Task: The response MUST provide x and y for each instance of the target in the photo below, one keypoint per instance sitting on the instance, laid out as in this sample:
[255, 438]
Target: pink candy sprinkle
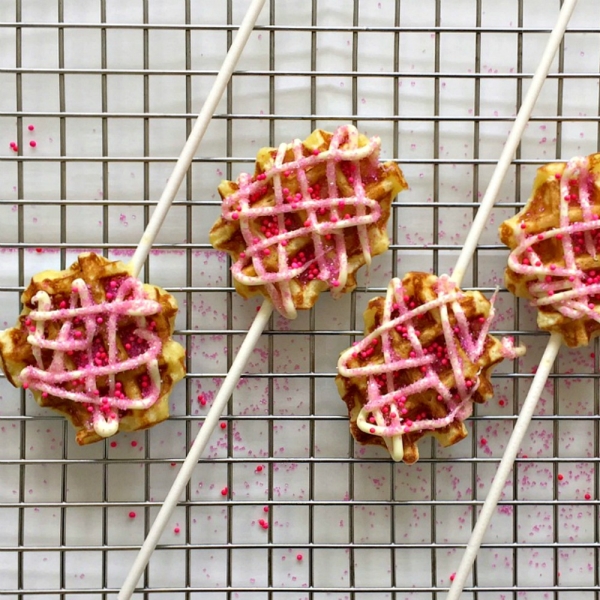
[33, 143]
[132, 515]
[176, 530]
[30, 127]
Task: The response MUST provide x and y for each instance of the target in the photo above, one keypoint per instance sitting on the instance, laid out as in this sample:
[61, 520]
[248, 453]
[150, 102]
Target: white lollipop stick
[256, 329]
[555, 340]
[514, 138]
[196, 135]
[196, 451]
[505, 466]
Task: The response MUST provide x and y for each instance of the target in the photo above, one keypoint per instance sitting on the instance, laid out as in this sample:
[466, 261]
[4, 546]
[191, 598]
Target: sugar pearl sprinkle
[384, 414]
[570, 289]
[85, 350]
[267, 230]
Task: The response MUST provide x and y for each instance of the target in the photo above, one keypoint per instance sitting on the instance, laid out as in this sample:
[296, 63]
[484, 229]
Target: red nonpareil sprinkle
[38, 250]
[588, 497]
[263, 524]
[265, 509]
[176, 530]
[30, 127]
[299, 557]
[483, 441]
[132, 514]
[259, 468]
[13, 145]
[201, 399]
[113, 444]
[33, 143]
[223, 425]
[560, 477]
[452, 576]
[224, 491]
[133, 444]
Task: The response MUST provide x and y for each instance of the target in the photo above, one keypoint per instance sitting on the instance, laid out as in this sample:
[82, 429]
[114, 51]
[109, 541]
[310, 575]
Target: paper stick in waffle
[585, 193]
[92, 341]
[426, 358]
[427, 355]
[555, 263]
[310, 216]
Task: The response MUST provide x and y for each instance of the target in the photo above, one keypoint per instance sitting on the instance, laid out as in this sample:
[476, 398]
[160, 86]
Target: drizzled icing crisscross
[384, 413]
[317, 213]
[85, 349]
[569, 288]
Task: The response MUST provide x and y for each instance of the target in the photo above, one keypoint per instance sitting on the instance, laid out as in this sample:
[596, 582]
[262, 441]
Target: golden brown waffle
[426, 357]
[555, 249]
[61, 347]
[309, 207]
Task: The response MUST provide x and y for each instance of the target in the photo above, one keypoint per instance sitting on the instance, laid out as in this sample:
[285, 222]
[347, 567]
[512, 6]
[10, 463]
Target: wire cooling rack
[285, 505]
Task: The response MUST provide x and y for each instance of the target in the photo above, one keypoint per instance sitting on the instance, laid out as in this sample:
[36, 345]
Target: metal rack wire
[286, 506]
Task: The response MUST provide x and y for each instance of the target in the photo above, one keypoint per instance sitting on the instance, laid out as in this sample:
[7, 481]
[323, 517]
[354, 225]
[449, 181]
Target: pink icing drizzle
[568, 289]
[324, 217]
[391, 402]
[83, 322]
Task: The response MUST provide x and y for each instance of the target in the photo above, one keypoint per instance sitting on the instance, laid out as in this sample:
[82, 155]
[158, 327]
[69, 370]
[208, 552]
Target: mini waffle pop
[426, 358]
[555, 247]
[313, 213]
[94, 343]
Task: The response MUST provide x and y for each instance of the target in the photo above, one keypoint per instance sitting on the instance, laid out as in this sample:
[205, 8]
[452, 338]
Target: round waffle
[311, 215]
[425, 359]
[555, 249]
[94, 343]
